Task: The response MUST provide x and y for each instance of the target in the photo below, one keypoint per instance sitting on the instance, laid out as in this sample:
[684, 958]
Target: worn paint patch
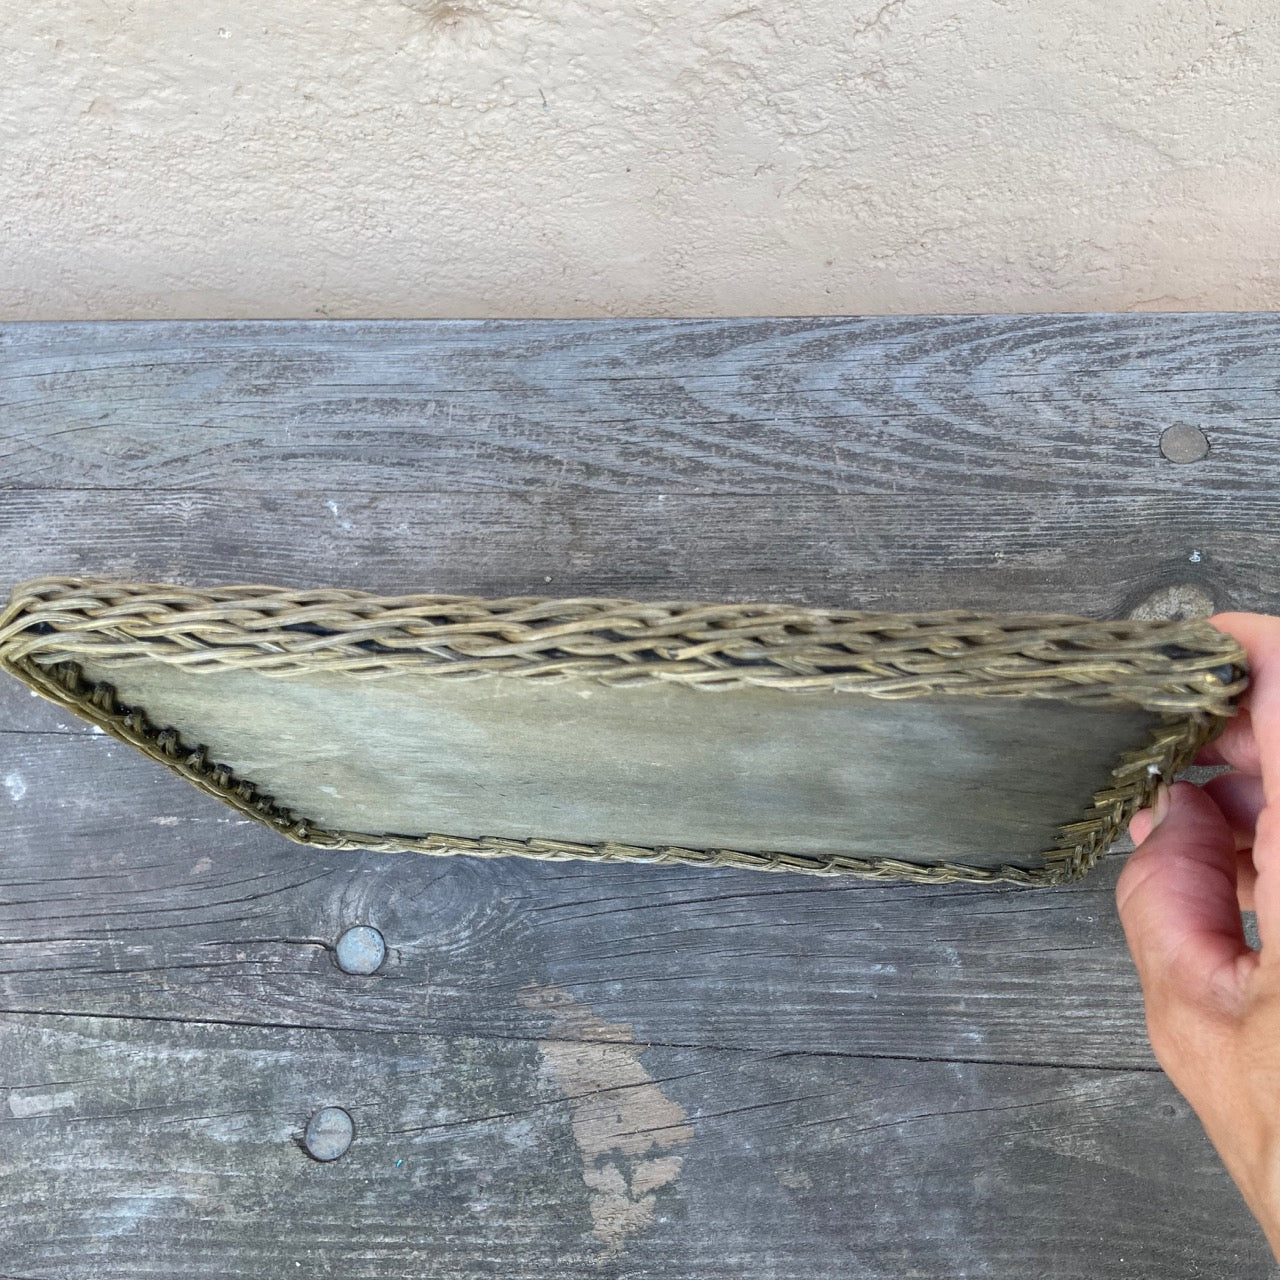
[625, 1127]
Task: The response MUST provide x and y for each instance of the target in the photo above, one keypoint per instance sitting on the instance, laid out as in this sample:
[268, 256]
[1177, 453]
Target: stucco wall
[683, 157]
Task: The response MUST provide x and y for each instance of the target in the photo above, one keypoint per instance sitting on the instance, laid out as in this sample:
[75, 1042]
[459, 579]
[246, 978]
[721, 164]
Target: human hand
[1212, 1002]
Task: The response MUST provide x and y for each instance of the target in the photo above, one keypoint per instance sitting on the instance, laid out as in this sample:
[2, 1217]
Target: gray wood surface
[977, 780]
[572, 1071]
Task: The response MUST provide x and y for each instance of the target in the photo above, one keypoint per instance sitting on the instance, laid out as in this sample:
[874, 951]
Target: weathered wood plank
[121, 894]
[154, 1149]
[1098, 558]
[913, 406]
[942, 1060]
[974, 780]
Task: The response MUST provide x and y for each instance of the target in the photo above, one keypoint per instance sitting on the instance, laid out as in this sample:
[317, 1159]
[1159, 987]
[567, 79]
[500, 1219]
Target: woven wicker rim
[1188, 671]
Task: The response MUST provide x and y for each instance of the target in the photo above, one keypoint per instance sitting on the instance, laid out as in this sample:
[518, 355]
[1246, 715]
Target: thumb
[1177, 902]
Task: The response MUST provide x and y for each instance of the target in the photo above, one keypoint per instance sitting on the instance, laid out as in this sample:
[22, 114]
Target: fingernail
[1160, 809]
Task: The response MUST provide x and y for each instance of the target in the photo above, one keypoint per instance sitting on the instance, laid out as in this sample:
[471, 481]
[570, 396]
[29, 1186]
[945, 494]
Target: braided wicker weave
[1189, 673]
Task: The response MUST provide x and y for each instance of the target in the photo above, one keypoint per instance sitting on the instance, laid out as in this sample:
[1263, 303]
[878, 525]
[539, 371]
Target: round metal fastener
[361, 950]
[1184, 444]
[329, 1134]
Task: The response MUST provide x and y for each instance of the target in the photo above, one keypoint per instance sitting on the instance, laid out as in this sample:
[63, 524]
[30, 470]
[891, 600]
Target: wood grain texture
[975, 780]
[1098, 558]
[907, 406]
[597, 1071]
[173, 1149]
[220, 920]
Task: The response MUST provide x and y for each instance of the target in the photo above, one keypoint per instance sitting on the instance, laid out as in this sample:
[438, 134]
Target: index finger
[1235, 746]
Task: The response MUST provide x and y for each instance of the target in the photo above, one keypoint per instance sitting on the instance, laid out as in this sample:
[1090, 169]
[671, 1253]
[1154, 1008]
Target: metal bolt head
[1184, 444]
[361, 950]
[329, 1133]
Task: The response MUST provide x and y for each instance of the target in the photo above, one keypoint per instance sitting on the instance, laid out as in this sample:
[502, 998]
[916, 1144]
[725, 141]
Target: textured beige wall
[683, 157]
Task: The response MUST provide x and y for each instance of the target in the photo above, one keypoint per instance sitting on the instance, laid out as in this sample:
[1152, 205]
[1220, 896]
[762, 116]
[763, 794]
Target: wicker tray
[932, 747]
